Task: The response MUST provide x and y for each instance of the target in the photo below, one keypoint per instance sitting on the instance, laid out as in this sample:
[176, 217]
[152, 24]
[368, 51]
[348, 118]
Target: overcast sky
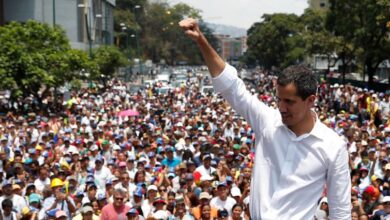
[243, 13]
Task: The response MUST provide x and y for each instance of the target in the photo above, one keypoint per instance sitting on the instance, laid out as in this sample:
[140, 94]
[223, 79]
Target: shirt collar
[317, 130]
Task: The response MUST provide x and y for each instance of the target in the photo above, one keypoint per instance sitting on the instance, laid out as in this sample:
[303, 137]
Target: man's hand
[191, 28]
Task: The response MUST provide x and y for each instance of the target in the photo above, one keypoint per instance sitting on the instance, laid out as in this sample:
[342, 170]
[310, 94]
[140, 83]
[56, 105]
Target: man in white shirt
[102, 173]
[18, 202]
[43, 179]
[206, 168]
[223, 200]
[296, 154]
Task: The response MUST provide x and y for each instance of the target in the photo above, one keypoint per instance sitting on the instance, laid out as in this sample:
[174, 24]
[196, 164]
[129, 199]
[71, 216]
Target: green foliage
[34, 54]
[276, 41]
[154, 26]
[107, 59]
[363, 24]
[350, 31]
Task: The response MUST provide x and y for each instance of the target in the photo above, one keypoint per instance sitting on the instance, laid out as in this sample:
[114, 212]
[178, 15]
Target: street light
[137, 41]
[87, 24]
[54, 13]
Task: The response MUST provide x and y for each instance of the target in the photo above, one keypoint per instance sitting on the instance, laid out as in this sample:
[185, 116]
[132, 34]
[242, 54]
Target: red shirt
[110, 213]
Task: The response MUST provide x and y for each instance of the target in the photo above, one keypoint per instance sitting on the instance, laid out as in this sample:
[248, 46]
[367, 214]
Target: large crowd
[113, 154]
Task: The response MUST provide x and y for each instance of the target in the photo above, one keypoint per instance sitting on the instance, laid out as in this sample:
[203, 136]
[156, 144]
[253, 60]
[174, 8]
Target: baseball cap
[86, 209]
[159, 200]
[206, 156]
[99, 159]
[229, 179]
[101, 196]
[235, 191]
[223, 183]
[60, 214]
[52, 213]
[236, 146]
[204, 195]
[94, 147]
[223, 213]
[34, 198]
[189, 176]
[138, 192]
[132, 211]
[7, 183]
[152, 187]
[171, 174]
[386, 199]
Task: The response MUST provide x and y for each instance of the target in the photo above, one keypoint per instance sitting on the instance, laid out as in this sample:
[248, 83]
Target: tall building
[319, 4]
[87, 23]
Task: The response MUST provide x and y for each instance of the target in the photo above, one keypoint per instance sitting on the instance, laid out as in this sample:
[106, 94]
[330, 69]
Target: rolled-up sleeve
[339, 187]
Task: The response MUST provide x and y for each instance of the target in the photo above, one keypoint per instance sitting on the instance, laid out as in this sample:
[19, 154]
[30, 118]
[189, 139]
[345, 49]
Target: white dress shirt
[290, 172]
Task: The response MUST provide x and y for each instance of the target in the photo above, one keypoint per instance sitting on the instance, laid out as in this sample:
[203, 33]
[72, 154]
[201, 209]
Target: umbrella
[129, 112]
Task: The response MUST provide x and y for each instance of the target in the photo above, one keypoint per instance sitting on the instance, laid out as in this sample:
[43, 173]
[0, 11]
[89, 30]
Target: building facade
[231, 49]
[87, 23]
[319, 4]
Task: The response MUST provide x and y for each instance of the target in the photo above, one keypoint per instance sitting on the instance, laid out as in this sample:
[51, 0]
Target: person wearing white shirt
[18, 202]
[43, 179]
[102, 173]
[206, 168]
[223, 200]
[296, 154]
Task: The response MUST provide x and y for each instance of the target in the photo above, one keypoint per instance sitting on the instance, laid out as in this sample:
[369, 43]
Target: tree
[107, 60]
[276, 42]
[154, 26]
[33, 55]
[363, 23]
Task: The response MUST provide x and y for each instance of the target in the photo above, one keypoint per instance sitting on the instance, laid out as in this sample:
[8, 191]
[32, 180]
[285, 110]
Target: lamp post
[87, 24]
[54, 13]
[137, 41]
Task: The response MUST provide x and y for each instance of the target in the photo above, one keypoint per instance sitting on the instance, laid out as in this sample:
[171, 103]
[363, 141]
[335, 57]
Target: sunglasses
[119, 198]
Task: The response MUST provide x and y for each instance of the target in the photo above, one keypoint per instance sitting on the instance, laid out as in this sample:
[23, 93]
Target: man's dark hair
[303, 79]
[6, 203]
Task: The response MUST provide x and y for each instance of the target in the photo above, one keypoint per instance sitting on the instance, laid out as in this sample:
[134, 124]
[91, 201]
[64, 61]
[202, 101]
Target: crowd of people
[179, 155]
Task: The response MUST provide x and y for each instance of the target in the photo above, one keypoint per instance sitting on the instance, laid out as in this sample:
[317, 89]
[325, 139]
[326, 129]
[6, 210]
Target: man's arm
[339, 187]
[213, 61]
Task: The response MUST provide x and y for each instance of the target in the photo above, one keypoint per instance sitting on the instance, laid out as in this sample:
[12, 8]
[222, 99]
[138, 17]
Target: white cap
[152, 187]
[143, 159]
[94, 147]
[386, 199]
[116, 147]
[204, 195]
[235, 191]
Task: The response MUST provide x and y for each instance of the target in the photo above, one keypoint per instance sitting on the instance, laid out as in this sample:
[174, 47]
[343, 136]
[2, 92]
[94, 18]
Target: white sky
[242, 13]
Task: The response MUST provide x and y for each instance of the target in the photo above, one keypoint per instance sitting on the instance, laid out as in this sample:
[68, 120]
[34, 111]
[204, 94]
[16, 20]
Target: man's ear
[311, 99]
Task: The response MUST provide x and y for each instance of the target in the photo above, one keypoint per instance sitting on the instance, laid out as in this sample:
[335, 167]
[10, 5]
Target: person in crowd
[118, 209]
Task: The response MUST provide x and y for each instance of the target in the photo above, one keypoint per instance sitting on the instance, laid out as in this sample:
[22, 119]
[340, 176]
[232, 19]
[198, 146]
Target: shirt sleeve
[242, 101]
[339, 187]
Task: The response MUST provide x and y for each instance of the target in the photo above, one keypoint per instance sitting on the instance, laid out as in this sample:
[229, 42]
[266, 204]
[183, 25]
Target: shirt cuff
[225, 79]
